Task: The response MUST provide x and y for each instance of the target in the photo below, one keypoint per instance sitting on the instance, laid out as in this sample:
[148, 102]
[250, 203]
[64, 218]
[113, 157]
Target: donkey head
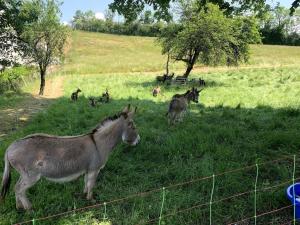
[130, 134]
[195, 94]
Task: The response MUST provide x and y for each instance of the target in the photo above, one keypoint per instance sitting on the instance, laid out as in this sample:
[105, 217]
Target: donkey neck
[188, 96]
[109, 135]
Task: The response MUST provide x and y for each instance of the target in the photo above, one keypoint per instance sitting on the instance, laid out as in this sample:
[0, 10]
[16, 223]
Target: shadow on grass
[175, 86]
[209, 140]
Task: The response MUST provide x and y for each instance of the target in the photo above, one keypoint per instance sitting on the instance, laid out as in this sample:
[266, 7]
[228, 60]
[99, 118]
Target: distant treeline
[135, 28]
[278, 27]
[275, 24]
[145, 26]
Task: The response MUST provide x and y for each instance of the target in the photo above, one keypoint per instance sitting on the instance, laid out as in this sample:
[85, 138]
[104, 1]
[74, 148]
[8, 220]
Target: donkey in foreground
[179, 103]
[63, 159]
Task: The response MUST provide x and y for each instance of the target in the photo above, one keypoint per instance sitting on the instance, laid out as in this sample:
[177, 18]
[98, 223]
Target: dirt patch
[15, 117]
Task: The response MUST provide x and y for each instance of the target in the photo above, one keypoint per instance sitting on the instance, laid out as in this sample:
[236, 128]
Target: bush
[12, 79]
[277, 36]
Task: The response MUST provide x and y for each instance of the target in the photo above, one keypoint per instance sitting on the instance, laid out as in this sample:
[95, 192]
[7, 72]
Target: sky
[69, 7]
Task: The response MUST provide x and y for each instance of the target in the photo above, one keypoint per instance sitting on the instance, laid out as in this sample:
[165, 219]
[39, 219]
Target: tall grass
[94, 53]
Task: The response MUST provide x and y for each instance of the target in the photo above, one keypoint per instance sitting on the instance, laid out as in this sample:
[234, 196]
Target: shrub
[12, 79]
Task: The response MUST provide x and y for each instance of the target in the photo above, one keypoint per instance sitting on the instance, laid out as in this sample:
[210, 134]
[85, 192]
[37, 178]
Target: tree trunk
[167, 66]
[42, 86]
[188, 70]
[191, 63]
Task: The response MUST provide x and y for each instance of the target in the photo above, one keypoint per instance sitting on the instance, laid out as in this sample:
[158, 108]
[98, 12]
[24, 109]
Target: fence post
[162, 204]
[211, 198]
[255, 195]
[294, 194]
[105, 214]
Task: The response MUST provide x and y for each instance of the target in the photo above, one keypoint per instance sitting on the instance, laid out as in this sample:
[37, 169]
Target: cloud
[99, 16]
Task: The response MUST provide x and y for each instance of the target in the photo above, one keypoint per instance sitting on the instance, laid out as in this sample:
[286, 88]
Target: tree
[132, 8]
[146, 17]
[45, 37]
[11, 26]
[210, 38]
[295, 5]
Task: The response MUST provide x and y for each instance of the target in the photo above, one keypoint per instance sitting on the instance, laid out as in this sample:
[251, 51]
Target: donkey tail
[6, 179]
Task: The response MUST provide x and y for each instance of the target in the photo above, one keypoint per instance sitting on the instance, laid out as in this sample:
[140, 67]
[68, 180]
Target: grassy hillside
[93, 53]
[245, 116]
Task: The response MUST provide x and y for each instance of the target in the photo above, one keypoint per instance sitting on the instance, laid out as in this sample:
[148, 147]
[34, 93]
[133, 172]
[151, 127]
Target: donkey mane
[107, 120]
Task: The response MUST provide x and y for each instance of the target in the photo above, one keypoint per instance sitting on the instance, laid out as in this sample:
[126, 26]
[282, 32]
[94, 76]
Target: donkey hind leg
[24, 183]
[182, 115]
[173, 118]
[90, 183]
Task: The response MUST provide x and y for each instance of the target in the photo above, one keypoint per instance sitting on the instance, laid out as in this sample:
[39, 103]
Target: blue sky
[70, 6]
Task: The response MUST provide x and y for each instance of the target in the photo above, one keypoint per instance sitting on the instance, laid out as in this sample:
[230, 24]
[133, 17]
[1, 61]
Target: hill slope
[93, 53]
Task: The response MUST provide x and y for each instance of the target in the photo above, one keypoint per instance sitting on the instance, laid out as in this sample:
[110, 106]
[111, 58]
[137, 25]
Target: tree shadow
[175, 86]
[210, 140]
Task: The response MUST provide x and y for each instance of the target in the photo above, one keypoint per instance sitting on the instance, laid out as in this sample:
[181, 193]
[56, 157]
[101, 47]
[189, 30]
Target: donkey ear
[126, 109]
[131, 114]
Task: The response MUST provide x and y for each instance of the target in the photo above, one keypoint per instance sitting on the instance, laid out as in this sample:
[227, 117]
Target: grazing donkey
[105, 97]
[74, 96]
[63, 159]
[170, 78]
[93, 101]
[156, 91]
[162, 78]
[202, 82]
[179, 103]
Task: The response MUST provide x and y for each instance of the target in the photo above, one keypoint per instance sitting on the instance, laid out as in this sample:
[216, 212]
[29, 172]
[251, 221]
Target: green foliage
[12, 79]
[132, 8]
[279, 27]
[207, 36]
[44, 37]
[146, 26]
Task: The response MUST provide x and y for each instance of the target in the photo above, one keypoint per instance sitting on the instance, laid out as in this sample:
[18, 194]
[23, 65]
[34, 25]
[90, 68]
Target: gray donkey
[179, 103]
[63, 159]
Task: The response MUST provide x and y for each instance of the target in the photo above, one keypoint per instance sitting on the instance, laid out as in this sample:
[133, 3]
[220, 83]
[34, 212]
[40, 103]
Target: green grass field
[245, 116]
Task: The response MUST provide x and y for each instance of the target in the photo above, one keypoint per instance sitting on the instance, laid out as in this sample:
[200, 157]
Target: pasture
[245, 116]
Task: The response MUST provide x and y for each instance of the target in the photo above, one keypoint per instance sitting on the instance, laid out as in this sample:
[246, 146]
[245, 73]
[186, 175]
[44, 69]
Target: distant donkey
[162, 78]
[93, 101]
[179, 103]
[105, 97]
[65, 158]
[156, 91]
[169, 78]
[74, 96]
[202, 82]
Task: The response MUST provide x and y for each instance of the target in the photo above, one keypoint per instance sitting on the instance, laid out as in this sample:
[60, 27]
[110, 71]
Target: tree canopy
[44, 37]
[132, 8]
[209, 37]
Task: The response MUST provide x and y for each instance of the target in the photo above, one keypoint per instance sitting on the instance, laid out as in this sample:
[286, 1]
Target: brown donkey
[179, 103]
[63, 159]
